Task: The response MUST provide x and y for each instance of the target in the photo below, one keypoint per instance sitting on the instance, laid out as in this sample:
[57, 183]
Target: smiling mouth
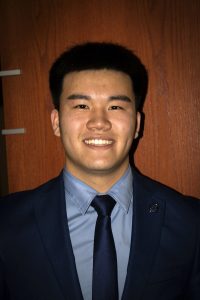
[98, 142]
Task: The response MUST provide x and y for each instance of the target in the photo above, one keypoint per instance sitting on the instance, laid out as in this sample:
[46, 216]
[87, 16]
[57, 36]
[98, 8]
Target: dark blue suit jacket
[36, 257]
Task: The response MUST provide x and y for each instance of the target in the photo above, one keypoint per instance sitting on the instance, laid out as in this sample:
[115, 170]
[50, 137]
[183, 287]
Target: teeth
[98, 142]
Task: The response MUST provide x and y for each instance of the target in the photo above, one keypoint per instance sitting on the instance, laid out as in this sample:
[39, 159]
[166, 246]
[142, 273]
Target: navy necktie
[104, 285]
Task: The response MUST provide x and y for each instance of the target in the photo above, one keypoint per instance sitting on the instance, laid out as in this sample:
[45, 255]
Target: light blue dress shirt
[82, 220]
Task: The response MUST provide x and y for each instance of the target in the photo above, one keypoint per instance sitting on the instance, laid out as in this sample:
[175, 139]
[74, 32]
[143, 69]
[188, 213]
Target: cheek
[126, 126]
[71, 127]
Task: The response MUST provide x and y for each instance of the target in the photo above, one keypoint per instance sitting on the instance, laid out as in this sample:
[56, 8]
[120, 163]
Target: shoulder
[20, 203]
[174, 201]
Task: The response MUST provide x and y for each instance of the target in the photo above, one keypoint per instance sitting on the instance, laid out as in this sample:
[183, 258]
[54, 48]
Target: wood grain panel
[165, 34]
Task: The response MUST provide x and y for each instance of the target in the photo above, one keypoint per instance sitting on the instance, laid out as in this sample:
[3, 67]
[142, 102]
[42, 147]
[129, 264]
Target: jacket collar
[148, 215]
[50, 212]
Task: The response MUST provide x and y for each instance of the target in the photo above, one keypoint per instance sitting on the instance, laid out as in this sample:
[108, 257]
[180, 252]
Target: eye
[81, 106]
[115, 107]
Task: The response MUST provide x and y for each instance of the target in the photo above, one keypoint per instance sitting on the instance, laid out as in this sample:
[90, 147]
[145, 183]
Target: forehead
[98, 80]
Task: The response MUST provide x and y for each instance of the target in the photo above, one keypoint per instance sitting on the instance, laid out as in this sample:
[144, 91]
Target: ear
[138, 121]
[55, 122]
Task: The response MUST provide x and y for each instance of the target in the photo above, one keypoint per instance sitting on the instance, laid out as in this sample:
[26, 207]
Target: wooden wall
[164, 33]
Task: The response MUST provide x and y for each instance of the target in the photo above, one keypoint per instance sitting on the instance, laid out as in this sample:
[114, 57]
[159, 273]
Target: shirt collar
[122, 190]
[82, 195]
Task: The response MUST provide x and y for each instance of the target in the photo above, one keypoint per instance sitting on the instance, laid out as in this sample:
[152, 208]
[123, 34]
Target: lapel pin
[154, 208]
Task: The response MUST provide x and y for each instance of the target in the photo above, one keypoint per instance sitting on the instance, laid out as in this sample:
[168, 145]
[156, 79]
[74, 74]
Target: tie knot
[103, 205]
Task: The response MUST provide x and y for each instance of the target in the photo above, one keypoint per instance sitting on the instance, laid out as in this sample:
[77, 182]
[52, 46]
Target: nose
[99, 121]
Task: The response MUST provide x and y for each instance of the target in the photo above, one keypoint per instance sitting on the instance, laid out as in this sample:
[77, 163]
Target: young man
[55, 241]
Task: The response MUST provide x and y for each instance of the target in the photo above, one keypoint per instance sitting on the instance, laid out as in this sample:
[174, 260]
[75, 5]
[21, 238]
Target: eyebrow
[86, 97]
[78, 96]
[121, 98]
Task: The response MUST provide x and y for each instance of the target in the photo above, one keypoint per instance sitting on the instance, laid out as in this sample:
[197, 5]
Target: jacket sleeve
[3, 288]
[193, 292]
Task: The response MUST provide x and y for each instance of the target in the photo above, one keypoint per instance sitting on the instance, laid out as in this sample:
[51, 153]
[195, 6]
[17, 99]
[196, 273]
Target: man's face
[97, 122]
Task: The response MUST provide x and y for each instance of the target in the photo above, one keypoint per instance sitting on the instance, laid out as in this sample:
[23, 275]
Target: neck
[101, 182]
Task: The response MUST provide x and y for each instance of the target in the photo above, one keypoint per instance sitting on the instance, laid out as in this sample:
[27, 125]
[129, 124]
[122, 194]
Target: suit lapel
[148, 214]
[51, 218]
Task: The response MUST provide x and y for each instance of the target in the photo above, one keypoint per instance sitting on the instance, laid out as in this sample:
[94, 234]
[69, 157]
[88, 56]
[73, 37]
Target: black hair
[97, 56]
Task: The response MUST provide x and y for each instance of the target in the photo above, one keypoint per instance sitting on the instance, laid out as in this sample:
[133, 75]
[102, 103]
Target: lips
[98, 142]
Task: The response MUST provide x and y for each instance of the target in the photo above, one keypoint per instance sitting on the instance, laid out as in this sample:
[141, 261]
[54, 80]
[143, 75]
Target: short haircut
[98, 56]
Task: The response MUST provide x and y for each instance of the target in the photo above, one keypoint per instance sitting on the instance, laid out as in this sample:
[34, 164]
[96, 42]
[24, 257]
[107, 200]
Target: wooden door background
[164, 33]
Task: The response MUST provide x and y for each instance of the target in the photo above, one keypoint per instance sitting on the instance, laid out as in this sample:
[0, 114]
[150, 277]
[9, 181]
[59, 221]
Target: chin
[102, 169]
